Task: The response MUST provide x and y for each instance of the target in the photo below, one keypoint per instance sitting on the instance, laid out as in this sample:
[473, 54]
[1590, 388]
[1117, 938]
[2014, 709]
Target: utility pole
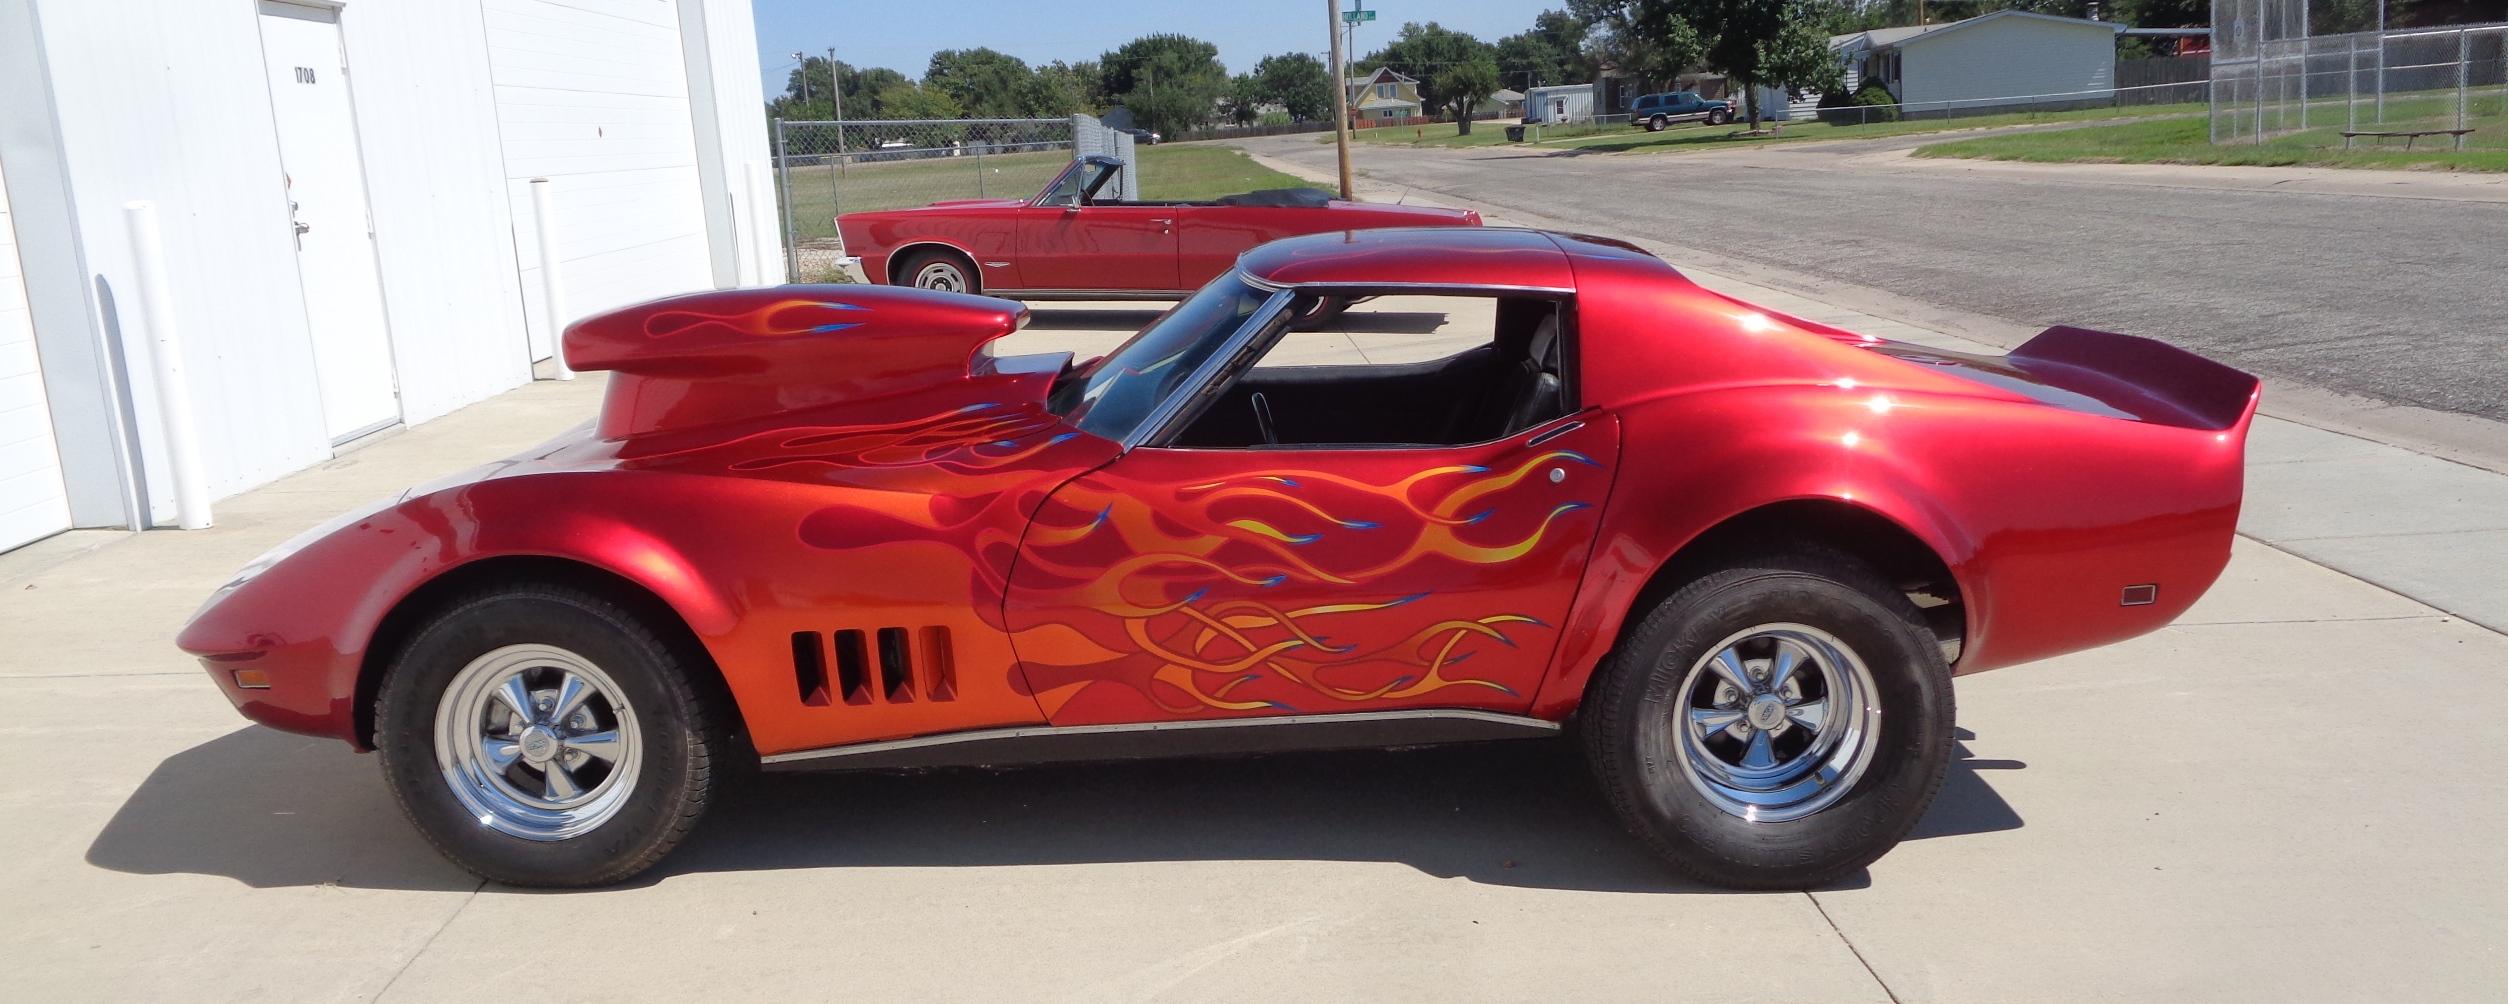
[1340, 94]
[805, 76]
[836, 86]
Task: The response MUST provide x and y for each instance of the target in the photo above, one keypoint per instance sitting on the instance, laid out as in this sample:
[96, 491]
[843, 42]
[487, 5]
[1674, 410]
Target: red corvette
[1076, 240]
[1741, 554]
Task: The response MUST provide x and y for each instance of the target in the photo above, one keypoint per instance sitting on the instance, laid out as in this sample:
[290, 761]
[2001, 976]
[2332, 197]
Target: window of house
[1384, 90]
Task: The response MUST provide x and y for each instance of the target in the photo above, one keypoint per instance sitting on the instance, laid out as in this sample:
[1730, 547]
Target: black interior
[1486, 392]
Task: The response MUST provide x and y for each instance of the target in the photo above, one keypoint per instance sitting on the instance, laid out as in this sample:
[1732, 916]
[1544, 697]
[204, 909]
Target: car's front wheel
[548, 736]
[1776, 724]
[1719, 116]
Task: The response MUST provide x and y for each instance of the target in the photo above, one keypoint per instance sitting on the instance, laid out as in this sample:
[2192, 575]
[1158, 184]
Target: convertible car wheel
[940, 270]
[1318, 312]
[545, 736]
[1776, 724]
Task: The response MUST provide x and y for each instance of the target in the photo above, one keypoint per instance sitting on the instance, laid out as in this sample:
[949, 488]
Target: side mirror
[1072, 207]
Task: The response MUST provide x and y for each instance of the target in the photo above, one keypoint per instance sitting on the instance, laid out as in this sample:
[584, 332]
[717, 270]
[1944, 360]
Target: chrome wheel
[1777, 722]
[942, 275]
[537, 742]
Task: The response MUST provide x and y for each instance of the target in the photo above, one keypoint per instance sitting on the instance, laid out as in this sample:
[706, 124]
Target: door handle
[303, 229]
[1166, 226]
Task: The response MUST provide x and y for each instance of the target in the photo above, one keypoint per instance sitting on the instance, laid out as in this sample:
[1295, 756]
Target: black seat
[1532, 392]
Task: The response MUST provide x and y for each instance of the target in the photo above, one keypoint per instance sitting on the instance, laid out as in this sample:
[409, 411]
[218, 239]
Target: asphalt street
[2393, 291]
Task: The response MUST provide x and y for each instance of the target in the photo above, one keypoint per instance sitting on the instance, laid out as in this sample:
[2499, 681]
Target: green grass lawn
[1694, 136]
[819, 193]
[2187, 141]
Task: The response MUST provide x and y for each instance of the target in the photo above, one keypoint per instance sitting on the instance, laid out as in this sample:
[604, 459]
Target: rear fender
[1728, 463]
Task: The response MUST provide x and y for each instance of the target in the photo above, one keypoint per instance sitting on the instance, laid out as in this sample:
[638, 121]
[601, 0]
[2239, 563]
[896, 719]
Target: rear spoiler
[703, 358]
[2155, 380]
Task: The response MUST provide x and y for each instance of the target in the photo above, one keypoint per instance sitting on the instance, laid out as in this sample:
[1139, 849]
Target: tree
[1070, 88]
[1456, 72]
[909, 101]
[987, 84]
[1751, 42]
[1628, 35]
[862, 88]
[1298, 82]
[1244, 100]
[1172, 83]
[1552, 52]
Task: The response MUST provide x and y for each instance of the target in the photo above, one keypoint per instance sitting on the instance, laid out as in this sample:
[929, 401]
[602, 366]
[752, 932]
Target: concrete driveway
[2292, 794]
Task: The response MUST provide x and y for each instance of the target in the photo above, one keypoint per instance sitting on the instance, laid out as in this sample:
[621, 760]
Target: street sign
[1356, 16]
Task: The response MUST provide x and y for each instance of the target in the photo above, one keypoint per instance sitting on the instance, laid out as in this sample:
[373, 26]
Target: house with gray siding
[2006, 59]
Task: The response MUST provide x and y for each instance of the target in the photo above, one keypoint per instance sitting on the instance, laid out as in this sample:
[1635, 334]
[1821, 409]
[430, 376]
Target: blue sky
[903, 35]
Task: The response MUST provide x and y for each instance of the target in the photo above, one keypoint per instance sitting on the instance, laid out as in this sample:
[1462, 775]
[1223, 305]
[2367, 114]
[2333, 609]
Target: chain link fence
[2273, 82]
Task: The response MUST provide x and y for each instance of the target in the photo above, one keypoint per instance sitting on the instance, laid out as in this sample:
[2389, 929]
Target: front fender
[305, 622]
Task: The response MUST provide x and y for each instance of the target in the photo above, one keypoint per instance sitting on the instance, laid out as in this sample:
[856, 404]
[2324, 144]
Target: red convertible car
[1739, 555]
[1075, 240]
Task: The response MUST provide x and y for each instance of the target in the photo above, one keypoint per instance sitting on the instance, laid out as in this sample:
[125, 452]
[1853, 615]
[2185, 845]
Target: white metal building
[2009, 57]
[1559, 104]
[343, 188]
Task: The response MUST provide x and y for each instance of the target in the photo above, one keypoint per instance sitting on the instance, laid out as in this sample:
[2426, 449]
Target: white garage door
[32, 503]
[593, 95]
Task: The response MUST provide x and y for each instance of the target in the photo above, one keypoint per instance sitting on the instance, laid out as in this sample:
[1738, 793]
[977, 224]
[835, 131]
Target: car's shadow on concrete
[270, 810]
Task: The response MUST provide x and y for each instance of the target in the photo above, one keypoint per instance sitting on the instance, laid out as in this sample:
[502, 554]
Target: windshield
[1118, 393]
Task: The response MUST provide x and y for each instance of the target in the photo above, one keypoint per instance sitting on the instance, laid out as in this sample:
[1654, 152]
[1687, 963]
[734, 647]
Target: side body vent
[889, 665]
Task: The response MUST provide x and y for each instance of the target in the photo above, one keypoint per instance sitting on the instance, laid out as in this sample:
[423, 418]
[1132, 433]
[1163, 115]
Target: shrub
[1840, 108]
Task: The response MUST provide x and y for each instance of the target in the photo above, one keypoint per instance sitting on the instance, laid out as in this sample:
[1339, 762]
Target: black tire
[687, 755]
[1719, 117]
[1323, 311]
[1657, 123]
[913, 271]
[1626, 722]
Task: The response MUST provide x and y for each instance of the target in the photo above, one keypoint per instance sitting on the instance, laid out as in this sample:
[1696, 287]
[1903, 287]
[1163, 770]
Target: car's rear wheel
[1719, 116]
[548, 736]
[1775, 724]
[947, 271]
[1657, 123]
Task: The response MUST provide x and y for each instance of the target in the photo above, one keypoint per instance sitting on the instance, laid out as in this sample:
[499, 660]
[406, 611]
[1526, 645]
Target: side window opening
[1399, 371]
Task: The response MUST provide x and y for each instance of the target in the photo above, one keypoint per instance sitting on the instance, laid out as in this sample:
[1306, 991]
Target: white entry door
[326, 191]
[32, 501]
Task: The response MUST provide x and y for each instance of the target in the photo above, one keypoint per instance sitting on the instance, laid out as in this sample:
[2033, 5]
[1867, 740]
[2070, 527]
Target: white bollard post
[552, 298]
[174, 392]
[744, 211]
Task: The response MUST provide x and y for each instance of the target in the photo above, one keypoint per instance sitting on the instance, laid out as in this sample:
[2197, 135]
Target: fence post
[783, 194]
[979, 170]
[2464, 61]
[2258, 88]
[2212, 100]
[2351, 85]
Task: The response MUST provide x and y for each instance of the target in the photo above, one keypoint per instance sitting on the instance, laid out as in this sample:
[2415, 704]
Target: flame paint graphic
[972, 438]
[1169, 591]
[779, 319]
[1151, 592]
